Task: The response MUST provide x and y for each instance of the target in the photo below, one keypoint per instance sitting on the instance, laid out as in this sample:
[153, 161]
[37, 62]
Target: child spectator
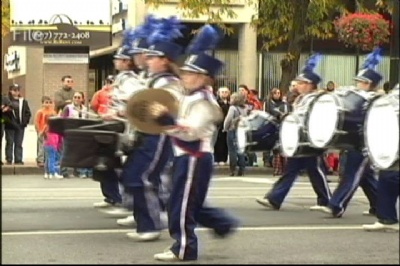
[52, 142]
[40, 124]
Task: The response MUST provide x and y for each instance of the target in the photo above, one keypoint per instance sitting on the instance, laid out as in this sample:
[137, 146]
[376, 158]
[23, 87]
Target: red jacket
[101, 100]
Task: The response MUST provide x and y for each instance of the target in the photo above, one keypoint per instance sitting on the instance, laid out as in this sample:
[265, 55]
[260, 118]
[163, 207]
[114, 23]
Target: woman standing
[236, 110]
[77, 109]
[277, 107]
[220, 147]
[16, 119]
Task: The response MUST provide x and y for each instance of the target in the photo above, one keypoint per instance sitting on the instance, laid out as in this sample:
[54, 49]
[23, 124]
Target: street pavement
[53, 222]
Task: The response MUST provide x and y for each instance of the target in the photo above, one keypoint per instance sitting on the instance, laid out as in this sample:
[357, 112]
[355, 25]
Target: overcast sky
[79, 10]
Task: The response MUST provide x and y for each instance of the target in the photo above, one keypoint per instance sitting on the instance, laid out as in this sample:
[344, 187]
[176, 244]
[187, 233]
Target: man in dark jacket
[16, 119]
[5, 107]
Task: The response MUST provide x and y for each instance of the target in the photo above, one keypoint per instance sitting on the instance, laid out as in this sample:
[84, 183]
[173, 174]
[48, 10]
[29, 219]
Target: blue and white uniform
[144, 166]
[192, 171]
[357, 173]
[357, 168]
[313, 165]
[126, 83]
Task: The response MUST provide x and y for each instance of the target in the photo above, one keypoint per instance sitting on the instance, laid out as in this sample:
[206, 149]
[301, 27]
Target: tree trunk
[295, 43]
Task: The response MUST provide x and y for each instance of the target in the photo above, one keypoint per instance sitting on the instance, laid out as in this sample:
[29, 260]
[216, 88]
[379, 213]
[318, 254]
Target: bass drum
[257, 132]
[335, 120]
[381, 131]
[293, 138]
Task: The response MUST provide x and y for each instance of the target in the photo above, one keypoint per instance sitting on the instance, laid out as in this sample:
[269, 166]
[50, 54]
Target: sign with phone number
[60, 38]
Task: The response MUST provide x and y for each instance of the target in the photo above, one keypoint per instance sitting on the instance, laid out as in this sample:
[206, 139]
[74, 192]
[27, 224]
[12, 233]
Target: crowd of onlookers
[66, 102]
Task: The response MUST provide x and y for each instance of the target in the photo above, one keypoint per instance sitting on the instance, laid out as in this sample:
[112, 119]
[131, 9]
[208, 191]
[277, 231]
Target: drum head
[322, 120]
[382, 133]
[289, 135]
[241, 135]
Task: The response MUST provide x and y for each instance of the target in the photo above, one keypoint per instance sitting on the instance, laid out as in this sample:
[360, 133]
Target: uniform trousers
[186, 209]
[141, 176]
[388, 193]
[316, 173]
[357, 172]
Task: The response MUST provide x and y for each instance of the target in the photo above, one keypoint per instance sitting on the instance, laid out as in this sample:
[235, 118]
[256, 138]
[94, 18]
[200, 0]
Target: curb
[34, 170]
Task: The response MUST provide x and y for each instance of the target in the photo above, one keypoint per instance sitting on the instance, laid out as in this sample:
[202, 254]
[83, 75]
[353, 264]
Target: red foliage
[365, 31]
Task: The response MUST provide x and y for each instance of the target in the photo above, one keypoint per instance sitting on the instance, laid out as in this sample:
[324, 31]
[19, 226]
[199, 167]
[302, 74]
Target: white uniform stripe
[182, 218]
[321, 172]
[151, 200]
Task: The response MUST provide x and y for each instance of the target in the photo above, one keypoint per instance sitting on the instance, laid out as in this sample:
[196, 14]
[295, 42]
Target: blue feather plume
[207, 38]
[312, 62]
[143, 31]
[128, 37]
[373, 59]
[167, 29]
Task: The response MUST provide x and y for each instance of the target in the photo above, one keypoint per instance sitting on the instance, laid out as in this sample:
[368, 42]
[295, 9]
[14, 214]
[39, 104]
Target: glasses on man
[77, 97]
[48, 102]
[69, 81]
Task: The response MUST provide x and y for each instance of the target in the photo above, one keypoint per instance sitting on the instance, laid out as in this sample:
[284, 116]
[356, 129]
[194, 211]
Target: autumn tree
[5, 17]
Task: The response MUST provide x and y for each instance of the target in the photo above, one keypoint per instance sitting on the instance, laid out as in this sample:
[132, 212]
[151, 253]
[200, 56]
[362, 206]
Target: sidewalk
[30, 167]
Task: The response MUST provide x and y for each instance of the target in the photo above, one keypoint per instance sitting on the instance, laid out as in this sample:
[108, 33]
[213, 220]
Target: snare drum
[257, 132]
[381, 131]
[93, 146]
[84, 148]
[335, 120]
[293, 138]
[60, 124]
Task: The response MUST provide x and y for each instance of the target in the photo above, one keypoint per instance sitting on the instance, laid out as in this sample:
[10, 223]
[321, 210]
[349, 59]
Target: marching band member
[144, 166]
[136, 40]
[307, 83]
[192, 132]
[357, 168]
[387, 196]
[126, 83]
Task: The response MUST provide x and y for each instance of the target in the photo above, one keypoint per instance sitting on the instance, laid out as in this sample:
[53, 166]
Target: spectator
[220, 147]
[101, 99]
[40, 124]
[52, 145]
[292, 95]
[16, 118]
[237, 109]
[63, 96]
[5, 107]
[278, 108]
[77, 109]
[386, 87]
[330, 86]
[275, 104]
[252, 103]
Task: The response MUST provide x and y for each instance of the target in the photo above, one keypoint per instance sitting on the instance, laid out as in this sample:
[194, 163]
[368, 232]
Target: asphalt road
[53, 222]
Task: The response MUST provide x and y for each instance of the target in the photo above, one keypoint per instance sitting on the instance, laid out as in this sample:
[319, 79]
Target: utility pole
[394, 46]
